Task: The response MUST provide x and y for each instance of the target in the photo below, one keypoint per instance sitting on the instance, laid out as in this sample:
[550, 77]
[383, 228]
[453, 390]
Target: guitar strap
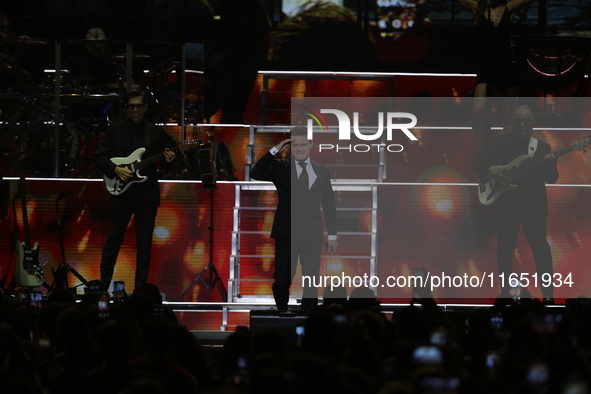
[532, 148]
[531, 152]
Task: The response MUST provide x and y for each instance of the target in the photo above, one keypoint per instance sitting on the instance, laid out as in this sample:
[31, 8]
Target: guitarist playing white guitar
[514, 174]
[132, 192]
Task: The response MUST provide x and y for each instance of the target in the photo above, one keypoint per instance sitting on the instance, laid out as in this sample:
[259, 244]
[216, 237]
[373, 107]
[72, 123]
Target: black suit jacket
[121, 140]
[530, 199]
[297, 207]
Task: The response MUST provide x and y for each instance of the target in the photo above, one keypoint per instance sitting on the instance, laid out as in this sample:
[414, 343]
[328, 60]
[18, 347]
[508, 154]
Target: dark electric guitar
[28, 272]
[134, 162]
[489, 191]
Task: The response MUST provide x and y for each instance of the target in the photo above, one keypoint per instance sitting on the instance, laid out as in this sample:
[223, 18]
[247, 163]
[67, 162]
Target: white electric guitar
[135, 164]
[489, 191]
[28, 272]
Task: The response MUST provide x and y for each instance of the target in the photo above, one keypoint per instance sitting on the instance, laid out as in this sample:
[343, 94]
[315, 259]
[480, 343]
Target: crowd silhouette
[346, 346]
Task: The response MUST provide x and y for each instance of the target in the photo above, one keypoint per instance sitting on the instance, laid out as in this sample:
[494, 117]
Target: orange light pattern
[436, 227]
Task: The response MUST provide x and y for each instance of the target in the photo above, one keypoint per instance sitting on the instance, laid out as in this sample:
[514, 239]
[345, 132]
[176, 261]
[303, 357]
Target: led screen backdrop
[426, 215]
[181, 237]
[428, 212]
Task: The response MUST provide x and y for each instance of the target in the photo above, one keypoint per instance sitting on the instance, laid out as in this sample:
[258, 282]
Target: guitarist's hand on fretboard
[550, 160]
[169, 155]
[123, 173]
[499, 178]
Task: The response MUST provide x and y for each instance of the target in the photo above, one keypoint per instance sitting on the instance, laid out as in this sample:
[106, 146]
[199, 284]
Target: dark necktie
[304, 180]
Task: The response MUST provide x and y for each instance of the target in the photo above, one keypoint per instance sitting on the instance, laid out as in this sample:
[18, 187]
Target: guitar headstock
[210, 134]
[582, 143]
[184, 143]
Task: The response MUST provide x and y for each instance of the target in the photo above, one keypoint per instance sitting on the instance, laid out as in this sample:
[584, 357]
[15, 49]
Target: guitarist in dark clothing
[528, 205]
[141, 199]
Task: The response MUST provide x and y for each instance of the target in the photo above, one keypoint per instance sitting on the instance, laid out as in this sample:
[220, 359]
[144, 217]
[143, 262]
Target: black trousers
[119, 216]
[534, 229]
[287, 253]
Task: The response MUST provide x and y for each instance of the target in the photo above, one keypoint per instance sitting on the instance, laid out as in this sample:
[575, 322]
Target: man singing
[302, 184]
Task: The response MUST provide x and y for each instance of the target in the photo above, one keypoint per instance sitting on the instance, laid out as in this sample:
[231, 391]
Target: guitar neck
[23, 192]
[152, 159]
[516, 172]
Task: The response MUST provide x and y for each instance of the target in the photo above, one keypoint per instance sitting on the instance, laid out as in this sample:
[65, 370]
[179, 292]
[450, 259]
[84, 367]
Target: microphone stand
[214, 277]
[208, 180]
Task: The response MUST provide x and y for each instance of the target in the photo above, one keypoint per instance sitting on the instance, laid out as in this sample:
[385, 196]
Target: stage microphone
[63, 195]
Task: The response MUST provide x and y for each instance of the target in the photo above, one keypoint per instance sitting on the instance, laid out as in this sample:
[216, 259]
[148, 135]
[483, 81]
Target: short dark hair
[135, 93]
[299, 130]
[524, 108]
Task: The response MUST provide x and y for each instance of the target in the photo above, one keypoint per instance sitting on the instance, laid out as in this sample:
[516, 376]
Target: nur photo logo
[389, 122]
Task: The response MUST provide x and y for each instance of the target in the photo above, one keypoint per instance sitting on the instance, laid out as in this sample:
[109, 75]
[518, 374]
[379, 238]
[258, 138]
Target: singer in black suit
[302, 185]
[141, 199]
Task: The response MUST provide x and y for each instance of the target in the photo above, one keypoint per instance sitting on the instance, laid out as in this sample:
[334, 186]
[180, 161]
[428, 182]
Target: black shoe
[549, 301]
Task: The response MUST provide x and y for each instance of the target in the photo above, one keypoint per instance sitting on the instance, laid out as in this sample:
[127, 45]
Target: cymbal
[115, 85]
[15, 71]
[7, 58]
[123, 56]
[29, 41]
[95, 41]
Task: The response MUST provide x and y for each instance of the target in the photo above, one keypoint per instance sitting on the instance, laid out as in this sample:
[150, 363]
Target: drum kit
[88, 100]
[553, 64]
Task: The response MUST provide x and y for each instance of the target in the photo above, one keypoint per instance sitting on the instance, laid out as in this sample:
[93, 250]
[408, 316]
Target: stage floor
[223, 316]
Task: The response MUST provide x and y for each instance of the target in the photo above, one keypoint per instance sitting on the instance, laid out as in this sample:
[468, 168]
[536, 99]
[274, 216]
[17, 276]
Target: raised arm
[264, 170]
[469, 5]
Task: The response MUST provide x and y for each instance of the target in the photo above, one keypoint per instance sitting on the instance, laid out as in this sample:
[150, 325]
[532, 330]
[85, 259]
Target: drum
[553, 64]
[68, 88]
[95, 112]
[27, 143]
